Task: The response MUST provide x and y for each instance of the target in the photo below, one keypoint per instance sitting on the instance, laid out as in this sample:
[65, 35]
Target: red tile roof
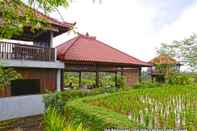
[84, 48]
[53, 21]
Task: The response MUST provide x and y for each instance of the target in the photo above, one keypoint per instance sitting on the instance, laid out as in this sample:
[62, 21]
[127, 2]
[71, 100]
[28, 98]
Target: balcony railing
[13, 51]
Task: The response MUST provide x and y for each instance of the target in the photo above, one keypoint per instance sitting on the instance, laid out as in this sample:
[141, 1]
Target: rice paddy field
[166, 107]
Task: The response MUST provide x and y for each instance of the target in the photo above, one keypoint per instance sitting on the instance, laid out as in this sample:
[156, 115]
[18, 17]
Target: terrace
[15, 51]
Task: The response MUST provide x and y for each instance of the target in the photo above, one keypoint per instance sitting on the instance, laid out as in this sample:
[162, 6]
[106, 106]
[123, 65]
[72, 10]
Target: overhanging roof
[87, 50]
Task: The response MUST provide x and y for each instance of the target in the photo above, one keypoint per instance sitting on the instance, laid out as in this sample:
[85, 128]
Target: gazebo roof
[87, 50]
[164, 59]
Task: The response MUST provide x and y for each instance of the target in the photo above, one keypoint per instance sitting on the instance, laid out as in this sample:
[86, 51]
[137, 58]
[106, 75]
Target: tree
[13, 17]
[184, 50]
[7, 75]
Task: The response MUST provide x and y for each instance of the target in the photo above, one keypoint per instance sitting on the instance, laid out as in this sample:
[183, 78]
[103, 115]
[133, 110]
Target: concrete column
[62, 79]
[51, 39]
[58, 86]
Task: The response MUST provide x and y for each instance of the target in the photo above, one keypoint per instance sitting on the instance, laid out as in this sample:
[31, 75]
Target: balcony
[13, 51]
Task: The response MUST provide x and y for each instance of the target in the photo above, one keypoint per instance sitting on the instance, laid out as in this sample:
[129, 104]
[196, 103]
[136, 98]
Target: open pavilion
[85, 53]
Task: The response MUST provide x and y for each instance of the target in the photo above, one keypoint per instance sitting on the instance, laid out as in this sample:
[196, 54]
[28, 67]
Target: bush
[54, 100]
[53, 121]
[147, 84]
[180, 79]
[73, 94]
[96, 118]
[58, 99]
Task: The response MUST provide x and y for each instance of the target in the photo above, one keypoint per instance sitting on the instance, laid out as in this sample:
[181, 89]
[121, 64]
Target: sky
[136, 27]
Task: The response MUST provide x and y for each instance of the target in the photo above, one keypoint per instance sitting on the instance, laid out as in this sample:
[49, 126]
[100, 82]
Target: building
[162, 66]
[85, 53]
[37, 63]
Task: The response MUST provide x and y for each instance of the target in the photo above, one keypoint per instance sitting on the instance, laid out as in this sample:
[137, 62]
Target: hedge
[94, 117]
[73, 94]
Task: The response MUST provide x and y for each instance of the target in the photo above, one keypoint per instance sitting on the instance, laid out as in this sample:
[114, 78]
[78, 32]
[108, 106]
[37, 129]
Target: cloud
[182, 27]
[128, 25]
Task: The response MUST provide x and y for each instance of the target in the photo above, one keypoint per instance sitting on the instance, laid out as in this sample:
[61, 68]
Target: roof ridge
[72, 44]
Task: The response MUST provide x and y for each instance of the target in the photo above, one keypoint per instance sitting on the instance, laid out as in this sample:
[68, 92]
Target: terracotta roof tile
[87, 49]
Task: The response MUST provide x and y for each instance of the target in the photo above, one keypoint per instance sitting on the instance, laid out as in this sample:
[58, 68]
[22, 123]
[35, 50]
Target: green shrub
[54, 100]
[180, 79]
[73, 94]
[123, 83]
[147, 84]
[58, 99]
[96, 118]
[53, 121]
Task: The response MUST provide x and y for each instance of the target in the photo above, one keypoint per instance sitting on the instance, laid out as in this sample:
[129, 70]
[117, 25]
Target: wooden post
[116, 80]
[80, 79]
[121, 73]
[97, 77]
[140, 74]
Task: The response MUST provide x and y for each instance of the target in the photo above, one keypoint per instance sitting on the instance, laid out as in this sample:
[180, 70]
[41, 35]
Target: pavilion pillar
[79, 79]
[116, 80]
[97, 78]
[121, 73]
[140, 74]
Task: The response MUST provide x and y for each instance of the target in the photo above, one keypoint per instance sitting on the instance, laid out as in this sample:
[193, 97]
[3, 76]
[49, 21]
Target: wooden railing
[25, 52]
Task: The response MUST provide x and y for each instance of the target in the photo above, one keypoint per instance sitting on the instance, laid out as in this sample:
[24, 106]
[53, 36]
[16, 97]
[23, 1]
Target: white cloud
[183, 27]
[127, 25]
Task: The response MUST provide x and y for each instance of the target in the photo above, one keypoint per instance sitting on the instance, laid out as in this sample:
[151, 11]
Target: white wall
[20, 106]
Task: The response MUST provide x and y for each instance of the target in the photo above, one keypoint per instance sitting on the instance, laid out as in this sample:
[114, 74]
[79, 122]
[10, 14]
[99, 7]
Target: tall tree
[184, 50]
[15, 15]
[11, 22]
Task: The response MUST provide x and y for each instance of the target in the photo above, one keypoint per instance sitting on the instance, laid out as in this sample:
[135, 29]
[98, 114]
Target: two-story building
[35, 61]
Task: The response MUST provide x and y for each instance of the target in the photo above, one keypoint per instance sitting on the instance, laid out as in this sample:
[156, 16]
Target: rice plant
[170, 107]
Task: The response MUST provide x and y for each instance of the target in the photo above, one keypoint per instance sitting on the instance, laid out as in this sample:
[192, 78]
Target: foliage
[180, 79]
[57, 100]
[169, 107]
[73, 94]
[147, 84]
[123, 83]
[185, 51]
[145, 76]
[7, 75]
[53, 121]
[96, 118]
[54, 100]
[15, 15]
[71, 77]
[106, 79]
